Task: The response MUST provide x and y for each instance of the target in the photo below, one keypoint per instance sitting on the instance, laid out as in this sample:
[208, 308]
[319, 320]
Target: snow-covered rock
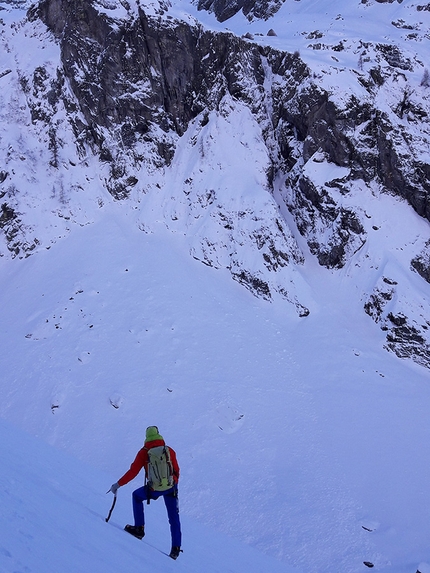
[201, 129]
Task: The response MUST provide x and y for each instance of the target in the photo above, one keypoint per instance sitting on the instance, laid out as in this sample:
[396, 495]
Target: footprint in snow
[229, 418]
[84, 357]
[115, 401]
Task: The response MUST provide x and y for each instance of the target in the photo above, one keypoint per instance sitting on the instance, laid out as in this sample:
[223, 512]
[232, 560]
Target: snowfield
[292, 433]
[304, 445]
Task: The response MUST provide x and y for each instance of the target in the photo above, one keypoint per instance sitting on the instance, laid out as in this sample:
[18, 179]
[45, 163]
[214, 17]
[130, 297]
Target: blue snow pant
[171, 501]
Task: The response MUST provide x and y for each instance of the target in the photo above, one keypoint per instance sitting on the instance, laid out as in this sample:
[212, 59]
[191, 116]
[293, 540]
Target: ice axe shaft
[111, 509]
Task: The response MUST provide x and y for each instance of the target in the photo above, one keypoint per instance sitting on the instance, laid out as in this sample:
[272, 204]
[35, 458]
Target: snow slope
[292, 434]
[53, 519]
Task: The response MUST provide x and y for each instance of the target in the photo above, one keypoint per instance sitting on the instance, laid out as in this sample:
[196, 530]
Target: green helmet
[152, 434]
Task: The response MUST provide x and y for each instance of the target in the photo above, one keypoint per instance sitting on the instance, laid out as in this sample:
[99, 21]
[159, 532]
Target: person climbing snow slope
[161, 480]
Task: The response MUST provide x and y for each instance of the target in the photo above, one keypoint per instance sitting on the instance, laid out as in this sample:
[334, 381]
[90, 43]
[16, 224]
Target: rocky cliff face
[141, 85]
[130, 86]
[225, 9]
[148, 73]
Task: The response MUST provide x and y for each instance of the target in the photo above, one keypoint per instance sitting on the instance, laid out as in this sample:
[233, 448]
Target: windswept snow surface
[292, 433]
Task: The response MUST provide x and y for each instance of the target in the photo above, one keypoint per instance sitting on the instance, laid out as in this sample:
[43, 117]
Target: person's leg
[138, 497]
[138, 529]
[172, 506]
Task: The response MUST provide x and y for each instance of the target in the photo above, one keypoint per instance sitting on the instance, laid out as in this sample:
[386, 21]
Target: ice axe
[111, 509]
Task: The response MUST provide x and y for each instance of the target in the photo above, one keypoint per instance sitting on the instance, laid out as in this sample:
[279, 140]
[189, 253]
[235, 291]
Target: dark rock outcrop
[421, 263]
[406, 336]
[15, 232]
[334, 232]
[225, 9]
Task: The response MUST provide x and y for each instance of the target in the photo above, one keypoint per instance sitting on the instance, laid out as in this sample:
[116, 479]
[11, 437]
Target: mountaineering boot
[138, 531]
[174, 553]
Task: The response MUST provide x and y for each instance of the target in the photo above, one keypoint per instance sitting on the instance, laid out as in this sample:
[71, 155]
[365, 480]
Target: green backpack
[160, 469]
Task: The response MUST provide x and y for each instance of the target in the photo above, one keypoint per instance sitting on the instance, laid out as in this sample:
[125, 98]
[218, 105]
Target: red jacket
[141, 461]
